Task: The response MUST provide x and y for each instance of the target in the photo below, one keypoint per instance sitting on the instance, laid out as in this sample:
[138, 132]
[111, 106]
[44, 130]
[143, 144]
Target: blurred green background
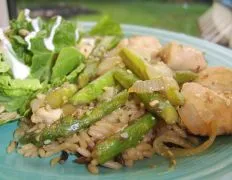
[179, 15]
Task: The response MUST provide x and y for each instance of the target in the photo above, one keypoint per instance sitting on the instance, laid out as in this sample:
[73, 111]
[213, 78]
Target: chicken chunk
[145, 46]
[216, 78]
[86, 46]
[180, 57]
[204, 106]
[47, 116]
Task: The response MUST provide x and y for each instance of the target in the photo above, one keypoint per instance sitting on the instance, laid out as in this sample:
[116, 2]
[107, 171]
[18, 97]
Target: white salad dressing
[48, 42]
[19, 70]
[27, 15]
[35, 25]
[28, 38]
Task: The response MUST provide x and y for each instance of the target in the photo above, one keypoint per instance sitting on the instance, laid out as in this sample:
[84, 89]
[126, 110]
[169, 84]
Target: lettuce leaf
[17, 87]
[27, 84]
[14, 93]
[64, 36]
[106, 26]
[21, 50]
[37, 43]
[43, 59]
[41, 66]
[4, 67]
[12, 103]
[68, 59]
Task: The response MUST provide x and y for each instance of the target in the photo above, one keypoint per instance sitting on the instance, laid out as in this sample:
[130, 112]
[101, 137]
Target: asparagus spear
[93, 61]
[59, 96]
[155, 102]
[185, 76]
[93, 89]
[137, 65]
[129, 137]
[134, 63]
[174, 96]
[70, 125]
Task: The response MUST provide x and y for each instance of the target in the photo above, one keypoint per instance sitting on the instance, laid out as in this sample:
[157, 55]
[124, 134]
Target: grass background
[160, 14]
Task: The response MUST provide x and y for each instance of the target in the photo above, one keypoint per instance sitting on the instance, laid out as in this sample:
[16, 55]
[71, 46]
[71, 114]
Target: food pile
[107, 99]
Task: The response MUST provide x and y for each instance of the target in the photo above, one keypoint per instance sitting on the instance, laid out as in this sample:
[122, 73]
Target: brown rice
[83, 142]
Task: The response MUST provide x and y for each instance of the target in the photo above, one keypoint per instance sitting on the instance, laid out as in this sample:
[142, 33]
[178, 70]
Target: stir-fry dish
[106, 99]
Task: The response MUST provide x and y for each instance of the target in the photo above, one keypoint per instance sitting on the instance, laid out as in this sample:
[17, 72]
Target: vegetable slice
[177, 152]
[93, 89]
[148, 86]
[69, 58]
[134, 63]
[185, 76]
[59, 96]
[114, 145]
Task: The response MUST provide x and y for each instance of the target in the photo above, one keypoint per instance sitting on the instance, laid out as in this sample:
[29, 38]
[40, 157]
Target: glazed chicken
[216, 78]
[180, 57]
[207, 101]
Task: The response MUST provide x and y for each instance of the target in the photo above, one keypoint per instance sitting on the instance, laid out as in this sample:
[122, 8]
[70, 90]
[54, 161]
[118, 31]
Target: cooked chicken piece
[145, 46]
[216, 78]
[86, 46]
[204, 106]
[37, 102]
[179, 57]
[47, 116]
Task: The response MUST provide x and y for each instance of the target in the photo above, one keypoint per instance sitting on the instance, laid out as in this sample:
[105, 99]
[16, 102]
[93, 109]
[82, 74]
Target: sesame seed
[174, 162]
[48, 107]
[124, 135]
[154, 103]
[48, 141]
[106, 88]
[228, 102]
[170, 153]
[141, 104]
[129, 71]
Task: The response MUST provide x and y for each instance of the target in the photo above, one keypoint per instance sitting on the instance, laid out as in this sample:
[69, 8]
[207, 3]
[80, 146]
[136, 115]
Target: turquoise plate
[216, 163]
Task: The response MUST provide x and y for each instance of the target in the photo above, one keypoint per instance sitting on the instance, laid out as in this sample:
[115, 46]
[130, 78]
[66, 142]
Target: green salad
[38, 54]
